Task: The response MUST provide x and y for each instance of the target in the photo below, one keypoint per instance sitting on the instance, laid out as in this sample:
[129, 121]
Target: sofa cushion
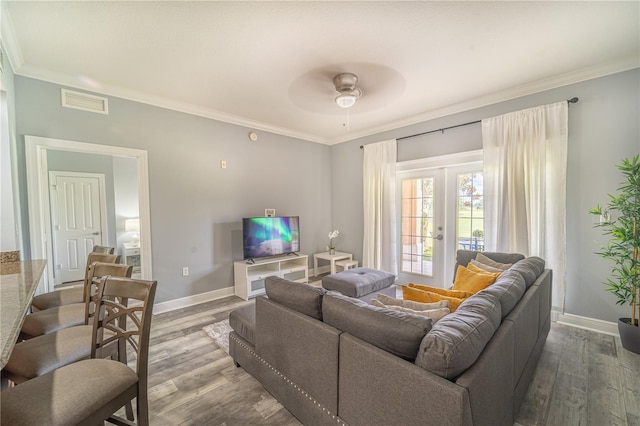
[304, 298]
[508, 288]
[398, 333]
[418, 295]
[473, 282]
[530, 269]
[416, 306]
[457, 340]
[435, 314]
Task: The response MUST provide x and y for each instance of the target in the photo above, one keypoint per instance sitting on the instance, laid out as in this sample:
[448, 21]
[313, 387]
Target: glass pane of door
[470, 211]
[419, 233]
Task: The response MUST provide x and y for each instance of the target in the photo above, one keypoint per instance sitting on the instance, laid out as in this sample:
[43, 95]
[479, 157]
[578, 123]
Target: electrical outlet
[185, 271]
[223, 164]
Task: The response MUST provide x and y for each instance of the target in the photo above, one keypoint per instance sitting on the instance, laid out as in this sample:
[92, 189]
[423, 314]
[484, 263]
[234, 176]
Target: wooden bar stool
[92, 390]
[70, 295]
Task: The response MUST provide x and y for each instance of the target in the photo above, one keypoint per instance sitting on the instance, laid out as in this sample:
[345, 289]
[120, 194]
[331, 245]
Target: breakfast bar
[18, 283]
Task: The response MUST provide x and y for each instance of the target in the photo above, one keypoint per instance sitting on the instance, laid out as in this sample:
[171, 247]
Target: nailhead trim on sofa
[296, 387]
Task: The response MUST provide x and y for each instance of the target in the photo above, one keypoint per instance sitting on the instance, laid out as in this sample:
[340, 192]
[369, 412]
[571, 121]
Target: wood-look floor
[583, 378]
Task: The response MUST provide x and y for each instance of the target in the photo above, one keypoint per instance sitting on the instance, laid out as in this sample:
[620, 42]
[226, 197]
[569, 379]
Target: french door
[441, 210]
[422, 227]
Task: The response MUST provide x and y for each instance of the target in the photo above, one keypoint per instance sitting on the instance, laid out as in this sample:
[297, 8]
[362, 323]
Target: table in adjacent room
[331, 258]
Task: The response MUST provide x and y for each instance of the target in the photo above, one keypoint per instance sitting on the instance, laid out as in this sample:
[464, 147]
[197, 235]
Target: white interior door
[78, 215]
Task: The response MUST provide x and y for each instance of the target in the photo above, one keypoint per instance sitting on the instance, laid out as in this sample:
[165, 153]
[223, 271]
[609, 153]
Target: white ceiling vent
[85, 102]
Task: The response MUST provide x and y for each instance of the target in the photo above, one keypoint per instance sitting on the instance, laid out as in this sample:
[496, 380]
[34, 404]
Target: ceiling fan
[348, 93]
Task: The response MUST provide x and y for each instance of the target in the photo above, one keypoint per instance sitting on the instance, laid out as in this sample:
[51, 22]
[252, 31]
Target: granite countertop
[18, 283]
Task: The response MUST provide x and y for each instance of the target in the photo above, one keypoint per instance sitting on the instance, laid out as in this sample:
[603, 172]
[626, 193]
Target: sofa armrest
[490, 380]
[377, 388]
[301, 348]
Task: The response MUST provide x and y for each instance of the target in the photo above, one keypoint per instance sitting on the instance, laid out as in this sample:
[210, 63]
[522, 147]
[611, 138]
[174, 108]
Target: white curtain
[525, 164]
[379, 188]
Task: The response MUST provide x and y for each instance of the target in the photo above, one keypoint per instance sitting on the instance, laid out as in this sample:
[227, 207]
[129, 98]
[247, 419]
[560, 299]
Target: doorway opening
[36, 149]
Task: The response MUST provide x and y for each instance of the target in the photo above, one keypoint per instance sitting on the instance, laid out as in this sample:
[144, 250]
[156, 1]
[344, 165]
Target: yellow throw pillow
[467, 280]
[442, 291]
[417, 295]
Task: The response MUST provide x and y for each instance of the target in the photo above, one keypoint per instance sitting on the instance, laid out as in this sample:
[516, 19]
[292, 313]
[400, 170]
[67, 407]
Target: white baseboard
[592, 324]
[325, 269]
[183, 302]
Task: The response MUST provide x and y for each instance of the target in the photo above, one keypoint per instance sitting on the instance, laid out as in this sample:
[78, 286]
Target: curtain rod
[570, 101]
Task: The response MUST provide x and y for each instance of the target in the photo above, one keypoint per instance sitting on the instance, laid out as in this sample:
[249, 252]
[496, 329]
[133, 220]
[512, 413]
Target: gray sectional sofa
[331, 359]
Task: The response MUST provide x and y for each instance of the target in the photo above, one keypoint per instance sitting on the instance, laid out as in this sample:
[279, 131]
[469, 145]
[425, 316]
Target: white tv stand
[249, 277]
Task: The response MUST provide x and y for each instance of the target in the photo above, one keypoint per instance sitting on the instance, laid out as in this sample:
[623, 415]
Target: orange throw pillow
[467, 280]
[417, 295]
[443, 291]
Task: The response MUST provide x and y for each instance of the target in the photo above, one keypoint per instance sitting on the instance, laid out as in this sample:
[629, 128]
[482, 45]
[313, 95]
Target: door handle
[96, 233]
[438, 237]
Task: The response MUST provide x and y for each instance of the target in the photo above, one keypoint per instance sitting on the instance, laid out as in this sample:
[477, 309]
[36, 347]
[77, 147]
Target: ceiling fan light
[346, 100]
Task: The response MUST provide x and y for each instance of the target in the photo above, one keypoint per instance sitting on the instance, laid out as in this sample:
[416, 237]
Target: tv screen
[270, 236]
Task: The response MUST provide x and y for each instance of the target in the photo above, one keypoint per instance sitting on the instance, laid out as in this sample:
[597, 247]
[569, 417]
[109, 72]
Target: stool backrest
[96, 271]
[125, 322]
[103, 249]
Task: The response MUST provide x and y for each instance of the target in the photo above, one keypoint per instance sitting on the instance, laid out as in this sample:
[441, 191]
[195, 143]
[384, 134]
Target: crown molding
[13, 52]
[135, 96]
[584, 74]
[10, 45]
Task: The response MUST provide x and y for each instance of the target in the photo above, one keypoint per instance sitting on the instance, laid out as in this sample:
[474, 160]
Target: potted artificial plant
[620, 219]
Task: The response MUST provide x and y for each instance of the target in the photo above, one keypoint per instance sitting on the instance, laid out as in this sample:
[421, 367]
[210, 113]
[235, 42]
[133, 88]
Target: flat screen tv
[270, 236]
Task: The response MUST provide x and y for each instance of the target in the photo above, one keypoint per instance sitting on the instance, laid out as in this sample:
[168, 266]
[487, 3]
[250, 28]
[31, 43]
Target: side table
[331, 258]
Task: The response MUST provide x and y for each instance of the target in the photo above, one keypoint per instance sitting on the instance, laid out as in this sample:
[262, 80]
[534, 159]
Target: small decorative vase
[332, 251]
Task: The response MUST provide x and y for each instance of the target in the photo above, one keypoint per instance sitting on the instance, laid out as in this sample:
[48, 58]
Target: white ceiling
[269, 65]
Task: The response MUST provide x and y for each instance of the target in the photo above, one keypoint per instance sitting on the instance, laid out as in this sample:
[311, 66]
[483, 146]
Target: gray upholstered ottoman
[361, 283]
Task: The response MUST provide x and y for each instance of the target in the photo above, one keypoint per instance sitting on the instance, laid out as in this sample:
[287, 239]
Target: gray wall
[196, 207]
[89, 163]
[8, 212]
[603, 129]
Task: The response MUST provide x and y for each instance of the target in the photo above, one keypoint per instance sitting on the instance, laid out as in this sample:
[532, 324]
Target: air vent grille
[85, 102]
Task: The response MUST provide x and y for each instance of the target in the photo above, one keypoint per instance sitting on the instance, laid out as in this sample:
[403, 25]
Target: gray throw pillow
[457, 340]
[398, 333]
[300, 297]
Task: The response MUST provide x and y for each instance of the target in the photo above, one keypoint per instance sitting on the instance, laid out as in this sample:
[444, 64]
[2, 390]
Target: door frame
[413, 168]
[104, 228]
[39, 204]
